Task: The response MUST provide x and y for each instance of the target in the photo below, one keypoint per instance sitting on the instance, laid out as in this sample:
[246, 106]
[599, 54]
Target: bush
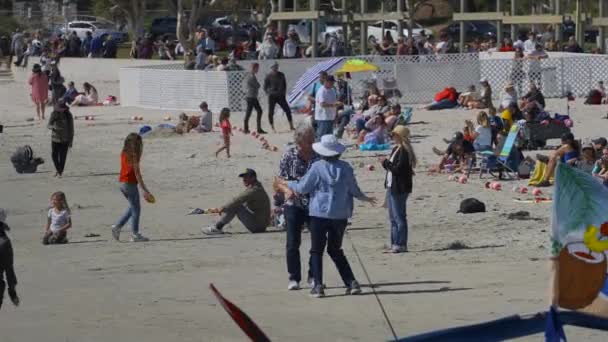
[8, 25]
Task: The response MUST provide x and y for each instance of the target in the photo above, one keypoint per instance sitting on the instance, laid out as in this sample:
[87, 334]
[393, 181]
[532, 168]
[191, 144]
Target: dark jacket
[401, 170]
[275, 84]
[62, 125]
[6, 259]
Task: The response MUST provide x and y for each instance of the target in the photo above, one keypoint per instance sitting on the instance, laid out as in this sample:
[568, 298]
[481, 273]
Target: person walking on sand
[39, 82]
[399, 168]
[130, 178]
[332, 185]
[253, 87]
[6, 263]
[61, 123]
[293, 166]
[226, 127]
[251, 207]
[275, 85]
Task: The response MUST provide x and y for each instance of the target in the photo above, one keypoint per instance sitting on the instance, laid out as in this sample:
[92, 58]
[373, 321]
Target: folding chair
[490, 163]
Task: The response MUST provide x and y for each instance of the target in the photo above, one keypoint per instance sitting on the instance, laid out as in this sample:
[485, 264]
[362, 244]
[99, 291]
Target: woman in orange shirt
[130, 177]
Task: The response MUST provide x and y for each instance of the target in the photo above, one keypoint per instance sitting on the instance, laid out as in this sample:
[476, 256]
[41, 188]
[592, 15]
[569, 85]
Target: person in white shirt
[325, 108]
[269, 49]
[530, 44]
[482, 133]
[290, 46]
[206, 121]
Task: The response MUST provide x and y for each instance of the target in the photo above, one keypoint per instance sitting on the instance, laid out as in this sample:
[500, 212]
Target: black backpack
[23, 160]
[472, 205]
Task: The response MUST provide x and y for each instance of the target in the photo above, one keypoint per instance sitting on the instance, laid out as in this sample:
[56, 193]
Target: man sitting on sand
[251, 207]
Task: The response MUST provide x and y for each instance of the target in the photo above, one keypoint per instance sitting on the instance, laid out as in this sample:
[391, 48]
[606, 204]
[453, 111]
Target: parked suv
[96, 28]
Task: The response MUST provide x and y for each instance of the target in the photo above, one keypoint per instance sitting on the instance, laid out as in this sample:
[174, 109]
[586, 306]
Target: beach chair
[490, 163]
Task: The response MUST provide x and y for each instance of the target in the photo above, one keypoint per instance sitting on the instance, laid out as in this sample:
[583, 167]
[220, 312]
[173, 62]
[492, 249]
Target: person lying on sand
[251, 207]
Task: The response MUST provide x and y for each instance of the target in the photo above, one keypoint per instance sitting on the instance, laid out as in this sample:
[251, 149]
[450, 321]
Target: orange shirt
[127, 173]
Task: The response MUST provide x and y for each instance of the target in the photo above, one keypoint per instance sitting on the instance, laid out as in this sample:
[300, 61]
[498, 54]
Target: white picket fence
[169, 86]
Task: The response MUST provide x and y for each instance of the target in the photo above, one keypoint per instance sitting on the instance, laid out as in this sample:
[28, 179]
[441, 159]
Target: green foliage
[8, 25]
[101, 8]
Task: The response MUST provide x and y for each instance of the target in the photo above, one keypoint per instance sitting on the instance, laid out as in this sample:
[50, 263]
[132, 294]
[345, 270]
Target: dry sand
[94, 289]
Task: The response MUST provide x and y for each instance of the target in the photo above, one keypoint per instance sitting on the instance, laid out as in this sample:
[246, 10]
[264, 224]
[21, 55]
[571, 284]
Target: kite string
[373, 287]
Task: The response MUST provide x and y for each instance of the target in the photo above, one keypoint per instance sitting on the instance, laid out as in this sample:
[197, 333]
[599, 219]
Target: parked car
[303, 28]
[374, 31]
[473, 30]
[164, 26]
[96, 28]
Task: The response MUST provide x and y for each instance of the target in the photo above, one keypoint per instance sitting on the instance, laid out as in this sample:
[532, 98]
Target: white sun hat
[328, 146]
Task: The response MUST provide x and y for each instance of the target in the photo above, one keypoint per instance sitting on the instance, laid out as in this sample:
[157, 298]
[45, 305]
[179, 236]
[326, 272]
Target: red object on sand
[371, 167]
[240, 318]
[537, 192]
[604, 229]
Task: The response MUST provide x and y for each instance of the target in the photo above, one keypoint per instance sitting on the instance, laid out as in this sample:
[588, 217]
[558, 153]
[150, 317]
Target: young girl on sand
[226, 131]
[130, 177]
[58, 222]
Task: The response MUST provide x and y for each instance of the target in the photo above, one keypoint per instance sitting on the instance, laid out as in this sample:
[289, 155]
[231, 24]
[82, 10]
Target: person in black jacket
[61, 123]
[6, 263]
[399, 168]
[275, 86]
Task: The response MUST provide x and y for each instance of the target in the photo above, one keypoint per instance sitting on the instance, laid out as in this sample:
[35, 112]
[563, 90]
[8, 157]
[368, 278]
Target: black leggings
[59, 154]
[253, 103]
[273, 100]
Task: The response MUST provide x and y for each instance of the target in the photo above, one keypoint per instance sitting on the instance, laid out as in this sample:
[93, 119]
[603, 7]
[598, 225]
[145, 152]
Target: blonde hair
[133, 147]
[62, 198]
[404, 136]
[483, 120]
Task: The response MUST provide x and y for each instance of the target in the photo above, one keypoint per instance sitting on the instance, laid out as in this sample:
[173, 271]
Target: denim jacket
[332, 186]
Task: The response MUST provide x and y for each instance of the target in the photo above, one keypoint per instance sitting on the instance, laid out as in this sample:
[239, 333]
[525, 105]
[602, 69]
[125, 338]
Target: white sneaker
[212, 230]
[116, 232]
[139, 238]
[293, 285]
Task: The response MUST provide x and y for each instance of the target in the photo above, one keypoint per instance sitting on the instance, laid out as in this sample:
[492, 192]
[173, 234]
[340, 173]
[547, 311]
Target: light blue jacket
[332, 186]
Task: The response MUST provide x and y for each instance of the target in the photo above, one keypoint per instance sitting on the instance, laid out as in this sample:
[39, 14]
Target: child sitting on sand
[206, 119]
[226, 127]
[58, 220]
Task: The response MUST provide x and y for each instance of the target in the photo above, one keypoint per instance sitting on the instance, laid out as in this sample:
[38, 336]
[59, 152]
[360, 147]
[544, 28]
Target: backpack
[472, 205]
[23, 160]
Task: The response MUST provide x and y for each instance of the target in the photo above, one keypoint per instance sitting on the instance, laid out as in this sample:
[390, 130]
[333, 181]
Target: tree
[133, 11]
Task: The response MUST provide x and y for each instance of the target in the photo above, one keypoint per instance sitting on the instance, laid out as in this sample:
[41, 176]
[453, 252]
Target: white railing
[169, 86]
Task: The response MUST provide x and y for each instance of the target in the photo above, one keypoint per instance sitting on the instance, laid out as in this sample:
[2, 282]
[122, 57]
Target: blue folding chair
[491, 163]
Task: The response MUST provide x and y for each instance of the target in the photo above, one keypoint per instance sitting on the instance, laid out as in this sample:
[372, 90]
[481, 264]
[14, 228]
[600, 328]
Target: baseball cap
[274, 65]
[483, 80]
[458, 136]
[600, 141]
[330, 78]
[248, 172]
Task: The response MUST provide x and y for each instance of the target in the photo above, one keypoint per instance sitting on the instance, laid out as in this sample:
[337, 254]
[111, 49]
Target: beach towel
[374, 147]
[538, 174]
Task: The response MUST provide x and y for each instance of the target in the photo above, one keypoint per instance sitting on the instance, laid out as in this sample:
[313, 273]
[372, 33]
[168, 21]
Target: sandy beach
[95, 289]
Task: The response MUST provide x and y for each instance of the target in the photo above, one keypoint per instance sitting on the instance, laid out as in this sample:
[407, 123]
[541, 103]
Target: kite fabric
[357, 65]
[240, 318]
[309, 77]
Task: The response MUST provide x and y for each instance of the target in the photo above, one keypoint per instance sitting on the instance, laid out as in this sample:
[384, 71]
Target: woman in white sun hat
[332, 185]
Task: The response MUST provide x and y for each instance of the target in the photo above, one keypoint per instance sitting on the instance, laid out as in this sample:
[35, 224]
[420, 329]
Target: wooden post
[514, 33]
[577, 21]
[281, 23]
[363, 29]
[462, 29]
[499, 33]
[602, 29]
[400, 22]
[314, 36]
[558, 27]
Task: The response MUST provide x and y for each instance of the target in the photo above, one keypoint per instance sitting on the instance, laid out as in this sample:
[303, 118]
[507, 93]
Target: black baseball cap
[248, 172]
[600, 141]
[458, 136]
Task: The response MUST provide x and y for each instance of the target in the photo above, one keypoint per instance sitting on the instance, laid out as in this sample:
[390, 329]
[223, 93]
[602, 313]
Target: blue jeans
[295, 217]
[131, 193]
[360, 124]
[343, 121]
[397, 215]
[331, 232]
[443, 104]
[324, 127]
